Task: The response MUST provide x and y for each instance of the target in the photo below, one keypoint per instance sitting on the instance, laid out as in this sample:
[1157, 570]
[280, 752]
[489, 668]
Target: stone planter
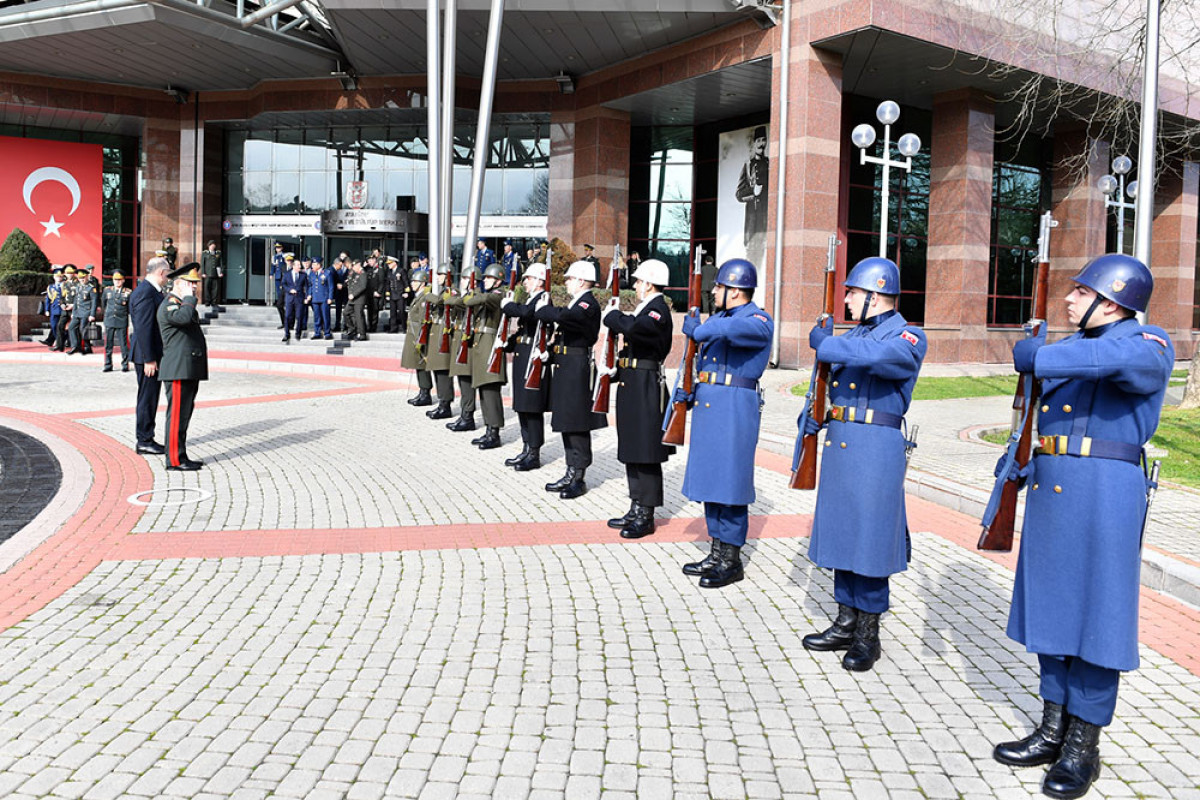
[18, 316]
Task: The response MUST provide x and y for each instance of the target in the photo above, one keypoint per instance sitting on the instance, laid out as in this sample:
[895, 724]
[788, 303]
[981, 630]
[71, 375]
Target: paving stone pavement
[558, 663]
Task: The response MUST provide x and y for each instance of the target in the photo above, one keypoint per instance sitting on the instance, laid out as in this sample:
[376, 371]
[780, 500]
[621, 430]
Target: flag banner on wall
[52, 191]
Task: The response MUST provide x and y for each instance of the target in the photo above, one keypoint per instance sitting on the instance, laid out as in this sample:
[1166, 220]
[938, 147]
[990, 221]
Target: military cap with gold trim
[188, 272]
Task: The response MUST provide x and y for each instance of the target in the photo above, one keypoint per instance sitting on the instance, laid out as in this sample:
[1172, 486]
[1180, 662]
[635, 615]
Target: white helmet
[653, 271]
[535, 270]
[584, 270]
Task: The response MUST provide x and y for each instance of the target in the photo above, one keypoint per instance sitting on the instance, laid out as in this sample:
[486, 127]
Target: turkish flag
[52, 191]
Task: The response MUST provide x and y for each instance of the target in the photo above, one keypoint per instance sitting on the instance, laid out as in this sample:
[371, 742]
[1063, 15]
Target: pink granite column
[589, 179]
[160, 209]
[1078, 206]
[1173, 253]
[960, 220]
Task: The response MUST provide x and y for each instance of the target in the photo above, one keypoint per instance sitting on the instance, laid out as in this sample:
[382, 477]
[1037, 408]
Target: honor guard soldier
[115, 305]
[54, 307]
[485, 301]
[734, 345]
[439, 362]
[1075, 595]
[578, 326]
[414, 353]
[83, 312]
[642, 395]
[184, 362]
[860, 529]
[530, 405]
[357, 288]
[466, 389]
[213, 270]
[295, 290]
[169, 251]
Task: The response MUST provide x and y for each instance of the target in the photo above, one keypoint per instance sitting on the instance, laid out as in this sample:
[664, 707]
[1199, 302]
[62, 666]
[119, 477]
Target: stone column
[160, 216]
[960, 223]
[1078, 206]
[1173, 254]
[589, 179]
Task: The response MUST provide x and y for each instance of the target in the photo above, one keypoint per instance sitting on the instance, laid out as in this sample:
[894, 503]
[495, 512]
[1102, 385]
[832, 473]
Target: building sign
[371, 220]
[497, 227]
[356, 194]
[51, 191]
[272, 224]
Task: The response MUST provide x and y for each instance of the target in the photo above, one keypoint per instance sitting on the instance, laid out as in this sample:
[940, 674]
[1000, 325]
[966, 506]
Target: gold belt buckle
[837, 413]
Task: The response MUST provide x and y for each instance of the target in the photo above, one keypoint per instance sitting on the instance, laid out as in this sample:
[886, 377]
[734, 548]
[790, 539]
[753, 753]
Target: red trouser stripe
[173, 425]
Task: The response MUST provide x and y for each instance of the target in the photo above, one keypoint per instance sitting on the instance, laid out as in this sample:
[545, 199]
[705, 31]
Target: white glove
[498, 344]
[543, 356]
[613, 304]
[603, 370]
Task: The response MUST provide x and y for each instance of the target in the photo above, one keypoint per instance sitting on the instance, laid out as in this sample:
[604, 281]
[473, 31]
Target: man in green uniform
[114, 302]
[184, 362]
[439, 362]
[83, 313]
[413, 356]
[462, 369]
[213, 270]
[486, 303]
[357, 289]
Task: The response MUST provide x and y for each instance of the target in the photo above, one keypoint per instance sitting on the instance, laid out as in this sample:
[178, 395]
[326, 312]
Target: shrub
[20, 253]
[23, 282]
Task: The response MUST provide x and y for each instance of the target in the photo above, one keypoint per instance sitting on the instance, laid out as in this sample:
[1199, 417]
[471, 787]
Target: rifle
[496, 358]
[535, 365]
[609, 357]
[675, 425]
[999, 518]
[464, 345]
[804, 461]
[447, 322]
[423, 336]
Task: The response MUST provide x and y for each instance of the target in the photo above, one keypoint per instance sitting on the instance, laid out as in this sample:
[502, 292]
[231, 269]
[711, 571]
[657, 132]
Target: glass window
[1018, 196]
[315, 192]
[399, 184]
[256, 188]
[257, 151]
[287, 150]
[235, 199]
[492, 201]
[285, 192]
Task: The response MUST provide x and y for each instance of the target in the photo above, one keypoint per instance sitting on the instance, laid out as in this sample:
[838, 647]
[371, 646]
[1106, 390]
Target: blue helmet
[737, 273]
[1119, 278]
[875, 274]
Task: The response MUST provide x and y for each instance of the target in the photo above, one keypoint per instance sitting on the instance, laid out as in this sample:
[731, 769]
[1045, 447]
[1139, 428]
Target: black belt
[562, 350]
[869, 417]
[1087, 447]
[729, 380]
[484, 331]
[638, 363]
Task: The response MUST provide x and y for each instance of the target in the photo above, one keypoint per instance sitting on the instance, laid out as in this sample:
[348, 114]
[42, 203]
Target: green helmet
[421, 275]
[444, 268]
[494, 271]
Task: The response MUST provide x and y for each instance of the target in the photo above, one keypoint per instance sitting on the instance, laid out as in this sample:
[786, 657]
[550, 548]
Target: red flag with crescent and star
[52, 191]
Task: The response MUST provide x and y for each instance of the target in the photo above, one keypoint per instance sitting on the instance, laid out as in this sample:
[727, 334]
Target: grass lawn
[951, 388]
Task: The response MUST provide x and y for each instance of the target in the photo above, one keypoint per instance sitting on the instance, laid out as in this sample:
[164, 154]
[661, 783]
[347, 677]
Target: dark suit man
[147, 351]
[184, 362]
[295, 290]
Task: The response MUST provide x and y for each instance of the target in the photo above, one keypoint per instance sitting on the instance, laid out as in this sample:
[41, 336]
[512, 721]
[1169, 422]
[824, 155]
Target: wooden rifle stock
[805, 474]
[464, 345]
[674, 433]
[999, 535]
[604, 381]
[535, 367]
[423, 336]
[496, 358]
[447, 328]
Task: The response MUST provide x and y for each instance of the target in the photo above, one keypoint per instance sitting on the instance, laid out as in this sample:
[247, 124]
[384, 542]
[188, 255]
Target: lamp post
[909, 144]
[1114, 194]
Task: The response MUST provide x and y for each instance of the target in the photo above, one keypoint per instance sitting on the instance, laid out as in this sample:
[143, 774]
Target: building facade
[610, 127]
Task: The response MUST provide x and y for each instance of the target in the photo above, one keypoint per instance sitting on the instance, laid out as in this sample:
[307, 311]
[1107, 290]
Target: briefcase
[93, 332]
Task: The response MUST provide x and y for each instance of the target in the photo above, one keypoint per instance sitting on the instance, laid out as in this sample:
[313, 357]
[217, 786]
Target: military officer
[642, 395]
[341, 271]
[281, 263]
[414, 353]
[114, 302]
[322, 285]
[53, 308]
[510, 259]
[483, 254]
[461, 371]
[734, 345]
[589, 255]
[213, 270]
[69, 285]
[357, 288]
[859, 527]
[83, 313]
[169, 251]
[376, 286]
[397, 283]
[184, 362]
[439, 362]
[577, 328]
[295, 290]
[486, 304]
[530, 405]
[1076, 591]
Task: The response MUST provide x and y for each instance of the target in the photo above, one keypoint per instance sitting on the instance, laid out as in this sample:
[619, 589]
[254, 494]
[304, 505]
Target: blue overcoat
[860, 523]
[725, 419]
[1077, 584]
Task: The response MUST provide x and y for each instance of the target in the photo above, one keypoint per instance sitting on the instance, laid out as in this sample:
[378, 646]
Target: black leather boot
[727, 570]
[622, 521]
[641, 525]
[441, 412]
[1078, 765]
[865, 649]
[518, 458]
[530, 462]
[491, 439]
[422, 399]
[702, 566]
[563, 482]
[576, 488]
[478, 439]
[461, 424]
[838, 636]
[1040, 747]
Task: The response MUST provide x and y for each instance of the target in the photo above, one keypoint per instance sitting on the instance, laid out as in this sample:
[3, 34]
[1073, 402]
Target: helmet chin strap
[862, 317]
[1083, 321]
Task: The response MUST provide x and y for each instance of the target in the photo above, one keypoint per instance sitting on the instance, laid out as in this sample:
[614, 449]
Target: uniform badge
[881, 282]
[584, 304]
[1118, 285]
[762, 317]
[910, 337]
[654, 315]
[1154, 338]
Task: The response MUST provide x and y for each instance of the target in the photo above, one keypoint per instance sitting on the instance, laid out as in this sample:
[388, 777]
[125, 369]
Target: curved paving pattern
[29, 478]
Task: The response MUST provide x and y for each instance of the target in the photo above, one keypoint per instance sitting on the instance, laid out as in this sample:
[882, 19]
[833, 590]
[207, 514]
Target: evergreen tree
[20, 253]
